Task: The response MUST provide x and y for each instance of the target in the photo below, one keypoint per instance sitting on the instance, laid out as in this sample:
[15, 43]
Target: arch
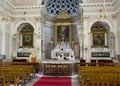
[106, 21]
[100, 24]
[26, 35]
[99, 31]
[19, 23]
[25, 26]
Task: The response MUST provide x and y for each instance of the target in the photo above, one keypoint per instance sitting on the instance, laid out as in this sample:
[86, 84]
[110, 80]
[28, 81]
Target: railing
[58, 69]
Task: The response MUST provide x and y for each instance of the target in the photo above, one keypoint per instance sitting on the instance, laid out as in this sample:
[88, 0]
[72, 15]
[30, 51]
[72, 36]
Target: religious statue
[32, 57]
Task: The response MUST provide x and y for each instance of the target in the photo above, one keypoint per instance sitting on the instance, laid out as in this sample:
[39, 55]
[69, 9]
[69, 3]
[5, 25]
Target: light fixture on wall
[5, 17]
[38, 19]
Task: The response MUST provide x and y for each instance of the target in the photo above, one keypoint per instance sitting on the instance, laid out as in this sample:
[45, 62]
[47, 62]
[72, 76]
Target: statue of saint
[32, 57]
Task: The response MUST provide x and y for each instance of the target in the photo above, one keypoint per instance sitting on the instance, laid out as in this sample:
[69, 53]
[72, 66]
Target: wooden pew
[99, 75]
[15, 73]
[2, 81]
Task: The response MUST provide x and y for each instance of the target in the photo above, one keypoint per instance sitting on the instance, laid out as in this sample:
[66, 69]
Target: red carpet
[54, 81]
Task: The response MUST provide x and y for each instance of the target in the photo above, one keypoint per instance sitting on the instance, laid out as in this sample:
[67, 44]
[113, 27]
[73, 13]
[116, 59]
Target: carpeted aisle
[54, 81]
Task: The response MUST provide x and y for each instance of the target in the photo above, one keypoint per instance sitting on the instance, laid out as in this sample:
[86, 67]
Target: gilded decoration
[27, 40]
[26, 32]
[63, 28]
[63, 15]
[99, 35]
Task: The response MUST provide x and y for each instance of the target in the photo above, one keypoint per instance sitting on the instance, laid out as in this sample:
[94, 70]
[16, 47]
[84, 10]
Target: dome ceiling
[55, 6]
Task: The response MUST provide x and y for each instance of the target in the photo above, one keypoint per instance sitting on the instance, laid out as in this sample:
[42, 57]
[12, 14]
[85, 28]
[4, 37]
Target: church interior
[50, 39]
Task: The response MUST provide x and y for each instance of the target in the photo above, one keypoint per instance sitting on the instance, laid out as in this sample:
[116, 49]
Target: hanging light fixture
[103, 13]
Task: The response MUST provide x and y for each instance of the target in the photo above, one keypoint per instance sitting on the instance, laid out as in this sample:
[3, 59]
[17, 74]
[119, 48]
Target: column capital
[85, 17]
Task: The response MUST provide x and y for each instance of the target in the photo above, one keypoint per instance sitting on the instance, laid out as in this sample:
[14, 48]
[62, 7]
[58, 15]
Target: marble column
[38, 40]
[3, 28]
[86, 41]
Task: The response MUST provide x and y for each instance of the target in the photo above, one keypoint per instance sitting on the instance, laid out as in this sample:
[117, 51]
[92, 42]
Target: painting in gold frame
[63, 33]
[27, 40]
[98, 39]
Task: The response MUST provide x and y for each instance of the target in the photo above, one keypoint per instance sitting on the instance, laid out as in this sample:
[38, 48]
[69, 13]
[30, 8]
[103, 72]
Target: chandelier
[103, 13]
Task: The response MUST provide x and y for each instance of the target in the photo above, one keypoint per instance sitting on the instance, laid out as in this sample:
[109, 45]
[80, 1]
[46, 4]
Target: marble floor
[75, 80]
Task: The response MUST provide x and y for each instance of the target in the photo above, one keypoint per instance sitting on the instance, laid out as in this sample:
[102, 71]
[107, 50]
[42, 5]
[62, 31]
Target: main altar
[62, 44]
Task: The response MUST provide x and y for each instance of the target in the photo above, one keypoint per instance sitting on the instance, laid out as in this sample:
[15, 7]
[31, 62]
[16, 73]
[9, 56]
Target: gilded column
[55, 34]
[70, 34]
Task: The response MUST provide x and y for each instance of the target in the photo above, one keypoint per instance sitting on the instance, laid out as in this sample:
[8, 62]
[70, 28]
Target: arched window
[99, 32]
[26, 35]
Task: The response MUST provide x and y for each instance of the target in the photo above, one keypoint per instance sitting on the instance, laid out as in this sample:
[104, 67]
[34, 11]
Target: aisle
[54, 81]
[74, 79]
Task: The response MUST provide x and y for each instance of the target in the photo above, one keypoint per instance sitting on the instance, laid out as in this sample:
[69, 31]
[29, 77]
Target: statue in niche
[32, 57]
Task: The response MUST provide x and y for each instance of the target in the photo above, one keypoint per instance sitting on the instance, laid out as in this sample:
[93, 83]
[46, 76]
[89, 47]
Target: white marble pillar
[115, 36]
[12, 41]
[81, 41]
[86, 31]
[38, 41]
[3, 27]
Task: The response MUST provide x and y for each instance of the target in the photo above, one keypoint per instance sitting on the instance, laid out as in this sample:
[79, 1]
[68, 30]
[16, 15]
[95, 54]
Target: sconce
[38, 19]
[14, 36]
[38, 35]
[6, 18]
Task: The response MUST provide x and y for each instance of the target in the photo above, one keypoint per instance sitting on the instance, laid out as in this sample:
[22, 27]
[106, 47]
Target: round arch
[21, 22]
[106, 21]
[99, 24]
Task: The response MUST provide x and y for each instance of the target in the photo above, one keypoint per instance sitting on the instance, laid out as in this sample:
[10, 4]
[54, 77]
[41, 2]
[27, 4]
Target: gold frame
[63, 20]
[27, 39]
[98, 39]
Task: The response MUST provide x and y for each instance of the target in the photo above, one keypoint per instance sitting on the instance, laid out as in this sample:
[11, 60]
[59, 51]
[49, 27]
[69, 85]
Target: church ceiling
[37, 2]
[55, 6]
[24, 2]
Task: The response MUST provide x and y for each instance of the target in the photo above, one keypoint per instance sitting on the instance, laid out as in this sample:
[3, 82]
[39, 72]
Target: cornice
[95, 4]
[81, 4]
[26, 7]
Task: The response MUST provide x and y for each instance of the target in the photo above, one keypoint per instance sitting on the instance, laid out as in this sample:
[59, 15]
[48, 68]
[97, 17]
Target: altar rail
[58, 69]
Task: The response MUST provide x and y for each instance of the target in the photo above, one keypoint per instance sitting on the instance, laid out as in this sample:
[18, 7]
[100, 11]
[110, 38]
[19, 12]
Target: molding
[85, 17]
[26, 7]
[95, 4]
[113, 3]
